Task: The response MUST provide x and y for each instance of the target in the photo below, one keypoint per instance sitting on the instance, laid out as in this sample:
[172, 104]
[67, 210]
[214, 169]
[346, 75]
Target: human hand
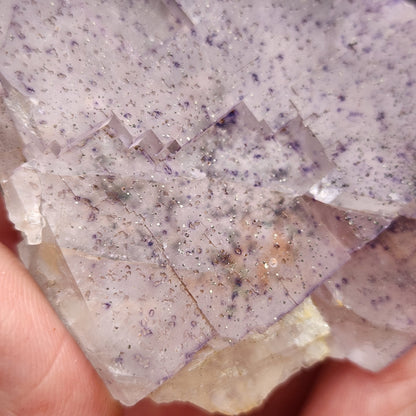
[43, 371]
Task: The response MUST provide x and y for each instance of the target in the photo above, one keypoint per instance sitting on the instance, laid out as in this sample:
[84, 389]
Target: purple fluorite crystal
[186, 174]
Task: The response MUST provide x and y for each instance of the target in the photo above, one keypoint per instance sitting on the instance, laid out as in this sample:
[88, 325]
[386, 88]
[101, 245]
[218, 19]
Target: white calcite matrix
[214, 194]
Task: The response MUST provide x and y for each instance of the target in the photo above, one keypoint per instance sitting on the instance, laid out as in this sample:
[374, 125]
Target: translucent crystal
[224, 188]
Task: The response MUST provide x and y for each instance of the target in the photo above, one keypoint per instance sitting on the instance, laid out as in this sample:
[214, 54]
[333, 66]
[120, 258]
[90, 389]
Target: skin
[43, 371]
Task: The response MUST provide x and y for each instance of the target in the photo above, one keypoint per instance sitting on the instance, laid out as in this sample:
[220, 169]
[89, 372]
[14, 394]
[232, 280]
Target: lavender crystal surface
[205, 186]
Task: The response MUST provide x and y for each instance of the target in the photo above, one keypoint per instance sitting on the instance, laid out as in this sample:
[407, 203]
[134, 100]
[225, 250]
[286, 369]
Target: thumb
[42, 369]
[344, 389]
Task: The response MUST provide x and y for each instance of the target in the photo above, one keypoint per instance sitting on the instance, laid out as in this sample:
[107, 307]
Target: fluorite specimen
[215, 194]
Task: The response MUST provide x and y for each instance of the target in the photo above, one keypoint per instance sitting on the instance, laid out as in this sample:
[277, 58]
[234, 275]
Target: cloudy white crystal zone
[161, 163]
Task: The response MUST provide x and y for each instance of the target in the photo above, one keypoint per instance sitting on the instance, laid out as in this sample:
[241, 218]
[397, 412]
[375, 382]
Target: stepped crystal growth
[215, 194]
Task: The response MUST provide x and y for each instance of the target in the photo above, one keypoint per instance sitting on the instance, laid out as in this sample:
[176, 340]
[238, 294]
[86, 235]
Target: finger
[344, 389]
[8, 235]
[42, 370]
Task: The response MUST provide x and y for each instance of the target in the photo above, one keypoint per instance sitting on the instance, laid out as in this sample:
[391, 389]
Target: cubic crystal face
[203, 191]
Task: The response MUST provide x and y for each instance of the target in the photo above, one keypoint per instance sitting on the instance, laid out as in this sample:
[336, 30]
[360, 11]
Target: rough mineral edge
[239, 377]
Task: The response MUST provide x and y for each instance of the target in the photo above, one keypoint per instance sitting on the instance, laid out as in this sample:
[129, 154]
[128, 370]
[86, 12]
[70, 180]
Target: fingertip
[345, 389]
[9, 236]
